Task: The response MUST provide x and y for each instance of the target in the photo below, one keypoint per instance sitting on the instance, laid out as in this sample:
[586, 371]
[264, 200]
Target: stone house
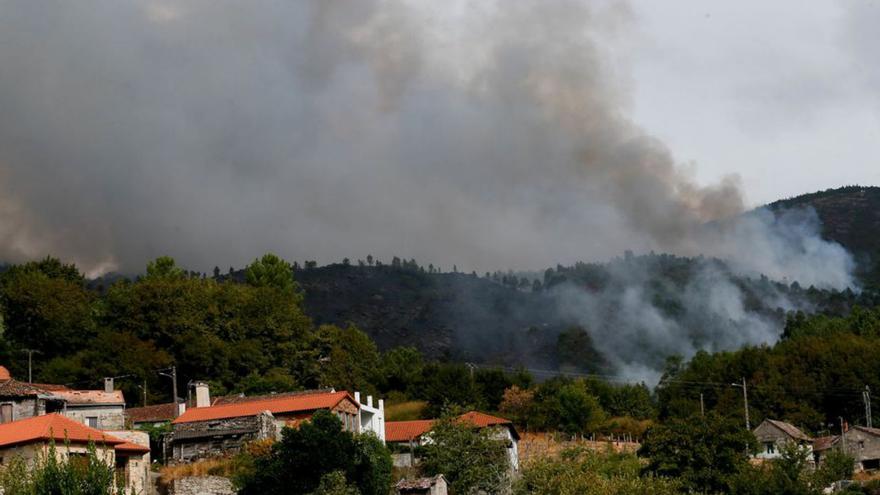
[101, 409]
[32, 437]
[208, 431]
[422, 486]
[773, 434]
[863, 445]
[404, 436]
[155, 415]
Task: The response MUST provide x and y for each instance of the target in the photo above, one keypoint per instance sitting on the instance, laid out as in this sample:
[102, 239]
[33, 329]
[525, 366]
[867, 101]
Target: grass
[405, 411]
[208, 467]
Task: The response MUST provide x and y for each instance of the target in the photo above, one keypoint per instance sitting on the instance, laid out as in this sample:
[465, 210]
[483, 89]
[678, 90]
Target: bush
[299, 463]
[49, 475]
[471, 459]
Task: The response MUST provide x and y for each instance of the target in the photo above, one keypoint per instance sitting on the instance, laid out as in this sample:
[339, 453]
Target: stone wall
[203, 439]
[201, 485]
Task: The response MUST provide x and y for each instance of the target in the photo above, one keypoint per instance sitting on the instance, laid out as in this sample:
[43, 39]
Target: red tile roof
[91, 397]
[132, 448]
[151, 414]
[297, 403]
[4, 373]
[483, 420]
[824, 443]
[404, 431]
[15, 388]
[52, 427]
[239, 398]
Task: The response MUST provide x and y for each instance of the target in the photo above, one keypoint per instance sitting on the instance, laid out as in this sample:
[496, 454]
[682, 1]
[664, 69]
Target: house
[31, 437]
[823, 445]
[405, 435]
[207, 431]
[101, 409]
[773, 434]
[155, 415]
[422, 486]
[20, 400]
[863, 445]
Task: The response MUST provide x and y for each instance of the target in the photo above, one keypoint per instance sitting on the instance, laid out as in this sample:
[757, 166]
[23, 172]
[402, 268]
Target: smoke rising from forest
[486, 134]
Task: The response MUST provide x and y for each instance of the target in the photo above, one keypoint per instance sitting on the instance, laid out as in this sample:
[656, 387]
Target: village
[39, 419]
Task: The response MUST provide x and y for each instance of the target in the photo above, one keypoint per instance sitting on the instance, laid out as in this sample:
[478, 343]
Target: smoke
[483, 134]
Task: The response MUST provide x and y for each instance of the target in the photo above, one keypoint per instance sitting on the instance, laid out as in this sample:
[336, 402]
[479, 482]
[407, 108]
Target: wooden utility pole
[702, 406]
[866, 395]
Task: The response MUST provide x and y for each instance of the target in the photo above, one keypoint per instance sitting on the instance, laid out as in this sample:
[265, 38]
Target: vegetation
[319, 456]
[52, 473]
[472, 460]
[580, 471]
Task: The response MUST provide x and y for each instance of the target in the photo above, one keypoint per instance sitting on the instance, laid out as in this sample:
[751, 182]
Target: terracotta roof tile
[15, 388]
[132, 448]
[824, 443]
[151, 414]
[790, 429]
[52, 427]
[308, 402]
[90, 396]
[404, 431]
[238, 398]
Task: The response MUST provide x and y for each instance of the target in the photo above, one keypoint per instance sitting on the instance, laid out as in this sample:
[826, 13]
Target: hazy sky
[784, 93]
[489, 134]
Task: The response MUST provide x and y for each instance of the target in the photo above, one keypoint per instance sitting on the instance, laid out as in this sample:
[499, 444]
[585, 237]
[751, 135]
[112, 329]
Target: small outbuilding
[423, 486]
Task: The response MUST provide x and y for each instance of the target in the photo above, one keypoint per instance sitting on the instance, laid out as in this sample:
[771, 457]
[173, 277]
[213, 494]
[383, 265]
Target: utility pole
[866, 396]
[145, 392]
[702, 406]
[842, 434]
[173, 376]
[745, 389]
[30, 353]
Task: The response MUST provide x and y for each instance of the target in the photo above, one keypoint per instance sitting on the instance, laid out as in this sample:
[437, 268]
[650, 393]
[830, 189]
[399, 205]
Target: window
[861, 444]
[6, 413]
[92, 421]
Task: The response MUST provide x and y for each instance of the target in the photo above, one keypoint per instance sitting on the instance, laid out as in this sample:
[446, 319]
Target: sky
[488, 135]
[783, 93]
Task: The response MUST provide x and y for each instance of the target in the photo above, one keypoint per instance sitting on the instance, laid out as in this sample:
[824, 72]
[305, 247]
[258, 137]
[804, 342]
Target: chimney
[370, 401]
[108, 385]
[203, 397]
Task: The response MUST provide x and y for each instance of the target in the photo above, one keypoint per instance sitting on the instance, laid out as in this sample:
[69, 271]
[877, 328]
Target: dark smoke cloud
[486, 134]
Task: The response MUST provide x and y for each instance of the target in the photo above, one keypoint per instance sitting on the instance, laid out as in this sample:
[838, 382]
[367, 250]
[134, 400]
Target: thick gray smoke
[486, 134]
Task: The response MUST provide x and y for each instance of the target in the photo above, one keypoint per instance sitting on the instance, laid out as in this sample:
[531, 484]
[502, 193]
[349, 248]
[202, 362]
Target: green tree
[351, 360]
[164, 267]
[50, 473]
[402, 369]
[46, 307]
[835, 466]
[705, 453]
[306, 455]
[473, 460]
[271, 271]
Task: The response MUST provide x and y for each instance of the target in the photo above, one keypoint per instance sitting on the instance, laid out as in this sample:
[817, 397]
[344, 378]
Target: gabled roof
[52, 427]
[15, 388]
[240, 398]
[872, 431]
[298, 403]
[790, 430]
[419, 484]
[824, 443]
[91, 397]
[151, 414]
[404, 431]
